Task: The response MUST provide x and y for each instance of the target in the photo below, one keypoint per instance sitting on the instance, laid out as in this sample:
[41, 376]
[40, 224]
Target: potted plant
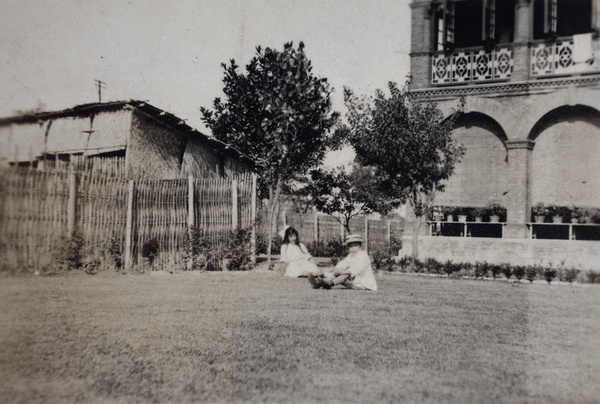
[558, 213]
[479, 213]
[576, 214]
[438, 215]
[449, 212]
[495, 210]
[539, 212]
[461, 215]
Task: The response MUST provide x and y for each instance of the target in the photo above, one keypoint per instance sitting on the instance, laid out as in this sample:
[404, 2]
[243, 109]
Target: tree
[278, 113]
[339, 193]
[409, 145]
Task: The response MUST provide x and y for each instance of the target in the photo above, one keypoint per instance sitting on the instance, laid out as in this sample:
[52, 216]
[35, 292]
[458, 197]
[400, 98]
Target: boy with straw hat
[353, 272]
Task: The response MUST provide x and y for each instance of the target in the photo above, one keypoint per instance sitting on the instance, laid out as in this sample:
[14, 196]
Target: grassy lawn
[259, 337]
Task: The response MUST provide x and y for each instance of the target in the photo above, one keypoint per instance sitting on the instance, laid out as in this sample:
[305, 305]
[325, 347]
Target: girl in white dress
[295, 256]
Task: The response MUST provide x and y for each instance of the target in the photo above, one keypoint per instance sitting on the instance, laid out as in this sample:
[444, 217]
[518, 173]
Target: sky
[169, 52]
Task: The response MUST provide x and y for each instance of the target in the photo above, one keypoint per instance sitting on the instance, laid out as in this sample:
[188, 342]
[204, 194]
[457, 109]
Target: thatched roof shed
[151, 143]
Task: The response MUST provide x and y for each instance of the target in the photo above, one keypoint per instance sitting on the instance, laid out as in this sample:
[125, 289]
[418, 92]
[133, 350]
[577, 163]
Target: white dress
[359, 265]
[297, 258]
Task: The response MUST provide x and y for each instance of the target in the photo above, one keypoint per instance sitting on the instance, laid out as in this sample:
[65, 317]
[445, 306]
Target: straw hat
[353, 238]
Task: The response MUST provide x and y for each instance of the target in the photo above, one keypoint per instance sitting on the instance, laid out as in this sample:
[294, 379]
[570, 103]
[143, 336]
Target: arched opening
[565, 158]
[481, 176]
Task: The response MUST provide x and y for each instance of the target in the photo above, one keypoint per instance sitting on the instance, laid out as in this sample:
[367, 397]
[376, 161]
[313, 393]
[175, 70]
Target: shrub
[238, 250]
[592, 276]
[113, 249]
[549, 274]
[430, 265]
[382, 261]
[404, 263]
[496, 269]
[196, 249]
[262, 241]
[150, 251]
[318, 249]
[90, 264]
[465, 269]
[481, 269]
[68, 253]
[569, 274]
[519, 272]
[448, 267]
[507, 270]
[531, 273]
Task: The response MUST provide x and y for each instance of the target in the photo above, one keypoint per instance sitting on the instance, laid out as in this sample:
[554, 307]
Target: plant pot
[478, 219]
[574, 220]
[539, 218]
[449, 218]
[438, 218]
[557, 219]
[462, 218]
[494, 218]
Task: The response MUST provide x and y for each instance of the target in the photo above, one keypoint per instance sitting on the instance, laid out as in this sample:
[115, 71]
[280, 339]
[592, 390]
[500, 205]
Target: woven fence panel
[245, 201]
[161, 214]
[33, 216]
[213, 208]
[304, 224]
[378, 234]
[102, 212]
[329, 229]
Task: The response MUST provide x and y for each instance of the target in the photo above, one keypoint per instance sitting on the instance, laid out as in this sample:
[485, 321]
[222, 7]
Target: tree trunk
[274, 198]
[415, 238]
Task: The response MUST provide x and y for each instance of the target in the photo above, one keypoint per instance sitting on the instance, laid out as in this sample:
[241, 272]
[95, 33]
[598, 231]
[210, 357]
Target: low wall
[581, 254]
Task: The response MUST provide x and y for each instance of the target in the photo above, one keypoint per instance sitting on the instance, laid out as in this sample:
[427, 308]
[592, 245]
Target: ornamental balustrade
[467, 66]
[557, 58]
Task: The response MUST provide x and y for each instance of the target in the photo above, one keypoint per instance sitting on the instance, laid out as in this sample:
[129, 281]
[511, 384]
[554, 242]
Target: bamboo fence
[33, 216]
[323, 228]
[40, 209]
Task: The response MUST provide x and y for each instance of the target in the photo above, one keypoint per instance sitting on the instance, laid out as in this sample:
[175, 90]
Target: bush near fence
[42, 214]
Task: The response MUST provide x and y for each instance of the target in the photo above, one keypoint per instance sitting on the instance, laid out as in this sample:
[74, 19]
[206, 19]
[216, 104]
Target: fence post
[190, 263]
[254, 221]
[234, 204]
[190, 203]
[72, 203]
[342, 229]
[316, 230]
[129, 227]
[366, 243]
[389, 231]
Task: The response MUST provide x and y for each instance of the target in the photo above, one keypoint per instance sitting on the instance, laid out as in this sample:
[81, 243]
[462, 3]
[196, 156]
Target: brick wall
[481, 176]
[582, 254]
[565, 164]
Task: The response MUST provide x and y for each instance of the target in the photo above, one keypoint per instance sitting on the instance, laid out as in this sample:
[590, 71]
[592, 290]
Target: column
[521, 49]
[518, 201]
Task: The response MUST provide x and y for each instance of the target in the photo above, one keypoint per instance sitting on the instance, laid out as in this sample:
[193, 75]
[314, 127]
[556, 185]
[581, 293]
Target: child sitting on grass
[353, 272]
[295, 257]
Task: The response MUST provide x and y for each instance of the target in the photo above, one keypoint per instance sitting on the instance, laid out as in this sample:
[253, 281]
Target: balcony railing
[468, 66]
[557, 58]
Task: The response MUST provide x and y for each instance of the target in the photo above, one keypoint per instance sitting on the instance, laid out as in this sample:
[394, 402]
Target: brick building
[530, 74]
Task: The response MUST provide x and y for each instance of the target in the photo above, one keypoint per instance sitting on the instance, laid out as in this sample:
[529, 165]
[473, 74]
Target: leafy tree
[408, 144]
[278, 113]
[346, 195]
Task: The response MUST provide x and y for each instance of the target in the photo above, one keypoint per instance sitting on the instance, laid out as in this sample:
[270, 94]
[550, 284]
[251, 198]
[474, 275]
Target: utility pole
[100, 85]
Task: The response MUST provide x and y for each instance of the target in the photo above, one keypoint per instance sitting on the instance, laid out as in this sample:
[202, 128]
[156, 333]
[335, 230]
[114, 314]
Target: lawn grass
[260, 337]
